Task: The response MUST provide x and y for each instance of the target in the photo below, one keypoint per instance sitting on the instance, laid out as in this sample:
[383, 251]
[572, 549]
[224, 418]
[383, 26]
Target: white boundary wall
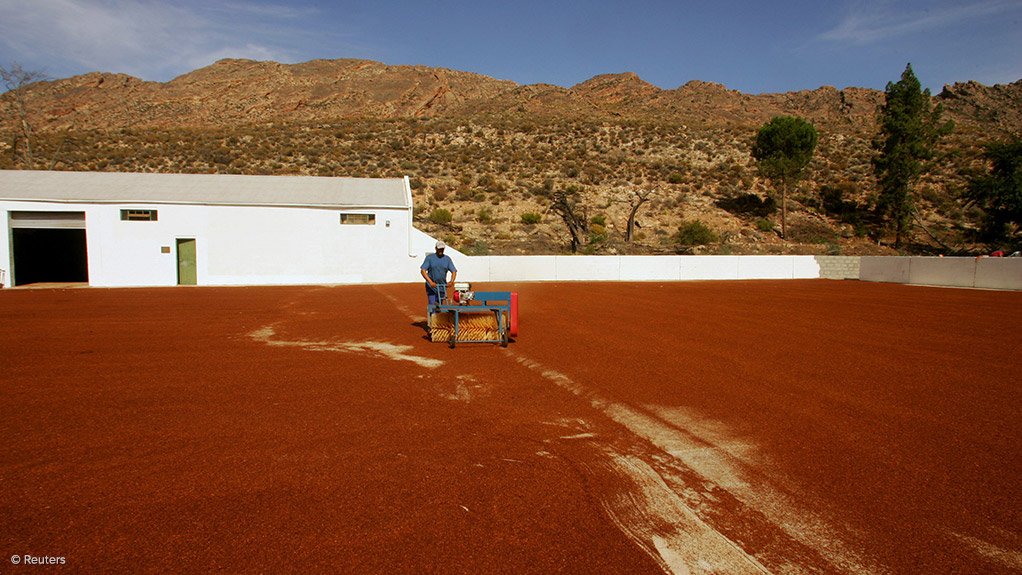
[633, 268]
[250, 245]
[990, 273]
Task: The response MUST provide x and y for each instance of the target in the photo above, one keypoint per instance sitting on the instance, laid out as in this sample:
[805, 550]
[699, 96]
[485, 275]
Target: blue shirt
[437, 268]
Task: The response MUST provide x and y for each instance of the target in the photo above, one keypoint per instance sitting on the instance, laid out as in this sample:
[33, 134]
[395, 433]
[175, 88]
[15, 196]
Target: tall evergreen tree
[909, 129]
[999, 193]
[783, 148]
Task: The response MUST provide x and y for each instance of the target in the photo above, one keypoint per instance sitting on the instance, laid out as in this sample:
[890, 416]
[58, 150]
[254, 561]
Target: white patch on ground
[581, 428]
[573, 423]
[466, 388]
[578, 436]
[666, 551]
[377, 348]
[1008, 558]
[657, 520]
[707, 430]
[723, 461]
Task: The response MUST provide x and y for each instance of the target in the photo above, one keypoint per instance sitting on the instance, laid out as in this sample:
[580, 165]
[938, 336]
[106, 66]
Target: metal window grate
[358, 219]
[138, 215]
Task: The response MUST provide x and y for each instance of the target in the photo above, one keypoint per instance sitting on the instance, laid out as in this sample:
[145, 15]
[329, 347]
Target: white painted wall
[5, 250]
[649, 268]
[889, 269]
[709, 267]
[991, 273]
[247, 245]
[520, 268]
[951, 272]
[239, 245]
[632, 268]
[999, 273]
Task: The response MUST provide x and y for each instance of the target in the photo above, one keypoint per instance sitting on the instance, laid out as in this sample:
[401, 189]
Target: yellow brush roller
[471, 326]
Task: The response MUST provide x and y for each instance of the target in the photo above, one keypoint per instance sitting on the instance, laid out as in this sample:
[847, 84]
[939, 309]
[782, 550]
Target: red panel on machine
[514, 314]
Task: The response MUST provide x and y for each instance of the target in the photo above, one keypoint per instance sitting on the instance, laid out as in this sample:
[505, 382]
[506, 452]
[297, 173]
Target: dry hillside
[489, 152]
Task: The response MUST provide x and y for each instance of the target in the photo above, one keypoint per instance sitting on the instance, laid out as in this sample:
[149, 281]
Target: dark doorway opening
[49, 255]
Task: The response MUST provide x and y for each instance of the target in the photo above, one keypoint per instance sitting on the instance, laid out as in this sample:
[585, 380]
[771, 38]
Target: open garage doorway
[49, 247]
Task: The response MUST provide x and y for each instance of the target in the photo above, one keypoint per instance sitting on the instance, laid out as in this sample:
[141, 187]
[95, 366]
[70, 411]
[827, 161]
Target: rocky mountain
[232, 92]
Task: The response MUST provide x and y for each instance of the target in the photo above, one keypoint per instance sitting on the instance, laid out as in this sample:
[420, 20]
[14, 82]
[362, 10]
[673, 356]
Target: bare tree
[570, 204]
[635, 197]
[16, 79]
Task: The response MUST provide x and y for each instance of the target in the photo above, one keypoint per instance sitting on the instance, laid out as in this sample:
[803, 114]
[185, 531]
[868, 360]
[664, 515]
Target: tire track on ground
[661, 505]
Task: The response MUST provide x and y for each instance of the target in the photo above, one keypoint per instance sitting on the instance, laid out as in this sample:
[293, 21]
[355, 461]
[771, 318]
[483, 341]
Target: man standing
[434, 270]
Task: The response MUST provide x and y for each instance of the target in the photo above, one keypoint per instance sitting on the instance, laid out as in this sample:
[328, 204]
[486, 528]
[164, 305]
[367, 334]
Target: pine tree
[999, 194]
[909, 129]
[783, 148]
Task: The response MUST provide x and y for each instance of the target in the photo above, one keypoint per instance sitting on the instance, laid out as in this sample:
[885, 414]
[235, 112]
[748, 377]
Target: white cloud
[150, 39]
[868, 22]
[269, 10]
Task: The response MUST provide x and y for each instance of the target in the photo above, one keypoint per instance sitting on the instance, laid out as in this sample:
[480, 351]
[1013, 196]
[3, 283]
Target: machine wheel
[501, 320]
[452, 341]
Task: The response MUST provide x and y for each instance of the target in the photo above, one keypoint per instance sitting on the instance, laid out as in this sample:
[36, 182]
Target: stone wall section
[838, 267]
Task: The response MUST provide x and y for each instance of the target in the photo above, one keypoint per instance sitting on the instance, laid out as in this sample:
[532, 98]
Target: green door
[186, 262]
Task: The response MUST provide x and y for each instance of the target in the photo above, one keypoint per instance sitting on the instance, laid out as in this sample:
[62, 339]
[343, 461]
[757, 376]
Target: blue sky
[750, 46]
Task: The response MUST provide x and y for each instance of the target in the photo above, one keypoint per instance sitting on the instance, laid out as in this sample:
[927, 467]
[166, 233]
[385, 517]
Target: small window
[358, 219]
[138, 215]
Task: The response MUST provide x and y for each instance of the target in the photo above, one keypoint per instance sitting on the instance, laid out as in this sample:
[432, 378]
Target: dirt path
[718, 427]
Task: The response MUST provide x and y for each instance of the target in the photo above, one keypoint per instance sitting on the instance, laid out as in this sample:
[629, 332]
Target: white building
[118, 229]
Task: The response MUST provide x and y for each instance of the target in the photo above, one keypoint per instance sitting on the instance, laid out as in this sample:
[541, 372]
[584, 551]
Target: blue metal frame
[489, 304]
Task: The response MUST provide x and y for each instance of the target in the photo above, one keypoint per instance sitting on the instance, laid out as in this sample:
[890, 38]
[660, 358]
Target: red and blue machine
[502, 305]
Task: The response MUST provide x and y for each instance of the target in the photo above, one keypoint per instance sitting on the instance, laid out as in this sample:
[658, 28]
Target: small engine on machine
[462, 293]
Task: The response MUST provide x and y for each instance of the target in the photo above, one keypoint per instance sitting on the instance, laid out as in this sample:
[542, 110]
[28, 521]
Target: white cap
[440, 245]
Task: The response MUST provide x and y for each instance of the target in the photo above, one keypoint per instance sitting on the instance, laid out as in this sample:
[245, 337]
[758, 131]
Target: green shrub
[529, 218]
[476, 248]
[764, 225]
[484, 216]
[695, 233]
[600, 220]
[441, 216]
